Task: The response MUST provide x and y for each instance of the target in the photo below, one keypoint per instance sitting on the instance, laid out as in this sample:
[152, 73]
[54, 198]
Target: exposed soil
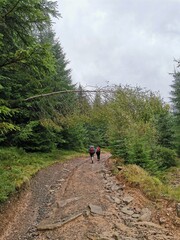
[78, 200]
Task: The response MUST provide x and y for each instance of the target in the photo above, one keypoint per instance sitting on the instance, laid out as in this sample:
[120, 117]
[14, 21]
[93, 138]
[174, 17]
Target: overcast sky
[121, 41]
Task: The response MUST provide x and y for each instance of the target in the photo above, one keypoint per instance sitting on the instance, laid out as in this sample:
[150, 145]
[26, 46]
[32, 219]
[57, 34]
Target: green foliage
[136, 124]
[97, 104]
[83, 104]
[5, 111]
[34, 137]
[97, 126]
[164, 125]
[164, 157]
[176, 108]
[6, 125]
[118, 148]
[139, 126]
[21, 23]
[17, 167]
[32, 62]
[152, 186]
[75, 134]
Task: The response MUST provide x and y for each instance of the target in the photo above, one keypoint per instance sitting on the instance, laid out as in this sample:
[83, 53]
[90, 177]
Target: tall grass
[153, 186]
[17, 167]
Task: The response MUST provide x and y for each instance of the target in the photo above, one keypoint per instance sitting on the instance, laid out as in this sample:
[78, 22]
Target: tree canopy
[175, 93]
[135, 124]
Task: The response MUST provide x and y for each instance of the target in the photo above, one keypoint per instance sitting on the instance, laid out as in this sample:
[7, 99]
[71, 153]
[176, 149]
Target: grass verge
[153, 187]
[17, 167]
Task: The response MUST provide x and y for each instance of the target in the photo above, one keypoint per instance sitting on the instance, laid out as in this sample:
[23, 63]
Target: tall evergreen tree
[32, 62]
[97, 101]
[24, 61]
[175, 93]
[83, 103]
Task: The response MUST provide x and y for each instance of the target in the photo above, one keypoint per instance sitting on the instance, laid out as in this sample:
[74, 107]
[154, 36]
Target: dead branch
[67, 91]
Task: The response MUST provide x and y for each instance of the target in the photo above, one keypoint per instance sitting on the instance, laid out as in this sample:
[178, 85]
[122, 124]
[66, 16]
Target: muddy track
[78, 200]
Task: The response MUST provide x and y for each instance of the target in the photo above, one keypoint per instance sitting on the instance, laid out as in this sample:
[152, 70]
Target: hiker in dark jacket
[91, 152]
[98, 152]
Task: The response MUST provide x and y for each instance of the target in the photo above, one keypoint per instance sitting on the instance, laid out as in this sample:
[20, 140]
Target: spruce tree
[175, 93]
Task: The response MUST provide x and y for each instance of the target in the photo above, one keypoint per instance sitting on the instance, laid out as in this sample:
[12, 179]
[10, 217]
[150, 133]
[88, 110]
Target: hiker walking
[91, 152]
[98, 152]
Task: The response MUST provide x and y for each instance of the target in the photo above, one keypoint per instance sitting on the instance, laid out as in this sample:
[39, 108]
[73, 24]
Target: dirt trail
[78, 200]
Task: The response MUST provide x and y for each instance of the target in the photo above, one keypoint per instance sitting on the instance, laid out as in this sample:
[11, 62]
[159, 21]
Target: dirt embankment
[78, 200]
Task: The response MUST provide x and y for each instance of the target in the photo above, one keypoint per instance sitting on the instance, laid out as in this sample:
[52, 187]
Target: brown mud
[78, 200]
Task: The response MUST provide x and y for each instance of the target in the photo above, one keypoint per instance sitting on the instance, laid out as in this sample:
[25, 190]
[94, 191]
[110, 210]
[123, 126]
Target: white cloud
[121, 41]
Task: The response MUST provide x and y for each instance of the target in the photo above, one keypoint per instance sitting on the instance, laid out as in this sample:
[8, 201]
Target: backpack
[98, 149]
[91, 150]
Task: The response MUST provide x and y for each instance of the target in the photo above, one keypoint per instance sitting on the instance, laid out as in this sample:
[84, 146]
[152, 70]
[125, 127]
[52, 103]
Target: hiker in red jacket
[91, 152]
[98, 152]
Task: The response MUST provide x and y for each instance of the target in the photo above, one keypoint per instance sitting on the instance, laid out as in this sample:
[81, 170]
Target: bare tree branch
[66, 91]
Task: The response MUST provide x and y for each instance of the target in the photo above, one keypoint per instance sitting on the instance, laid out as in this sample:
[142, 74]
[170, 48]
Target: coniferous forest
[134, 124]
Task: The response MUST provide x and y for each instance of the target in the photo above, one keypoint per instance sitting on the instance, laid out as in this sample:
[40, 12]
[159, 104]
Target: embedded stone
[117, 200]
[127, 199]
[96, 209]
[127, 211]
[146, 215]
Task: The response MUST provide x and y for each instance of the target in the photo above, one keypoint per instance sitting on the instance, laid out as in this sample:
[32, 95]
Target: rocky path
[78, 200]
